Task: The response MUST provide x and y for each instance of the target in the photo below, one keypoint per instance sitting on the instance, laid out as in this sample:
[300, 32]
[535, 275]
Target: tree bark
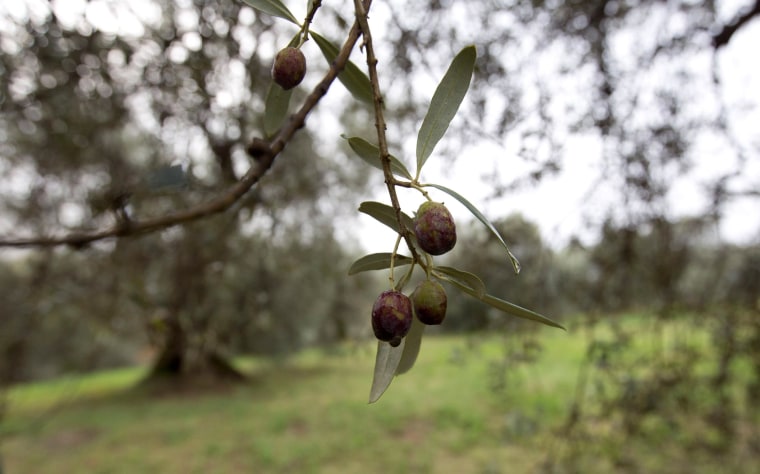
[181, 366]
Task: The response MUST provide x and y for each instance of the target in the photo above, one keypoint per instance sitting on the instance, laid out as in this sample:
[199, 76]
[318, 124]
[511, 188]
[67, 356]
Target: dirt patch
[298, 427]
[73, 438]
[414, 431]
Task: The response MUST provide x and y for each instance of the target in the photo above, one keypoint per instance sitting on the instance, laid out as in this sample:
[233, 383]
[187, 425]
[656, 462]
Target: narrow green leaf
[276, 106]
[519, 311]
[481, 218]
[445, 103]
[371, 155]
[386, 362]
[506, 306]
[353, 78]
[412, 343]
[385, 214]
[467, 278]
[377, 261]
[272, 7]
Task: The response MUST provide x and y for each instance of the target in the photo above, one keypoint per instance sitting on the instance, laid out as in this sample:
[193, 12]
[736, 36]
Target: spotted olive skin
[392, 316]
[429, 301]
[434, 228]
[289, 68]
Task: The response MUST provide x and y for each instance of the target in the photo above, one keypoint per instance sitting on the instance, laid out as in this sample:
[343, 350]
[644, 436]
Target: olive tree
[189, 91]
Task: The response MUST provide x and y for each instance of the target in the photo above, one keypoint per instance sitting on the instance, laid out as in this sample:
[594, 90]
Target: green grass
[310, 414]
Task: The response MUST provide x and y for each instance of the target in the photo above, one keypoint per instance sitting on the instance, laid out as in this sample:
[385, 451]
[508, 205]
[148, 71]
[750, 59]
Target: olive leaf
[412, 343]
[371, 155]
[385, 214]
[479, 215]
[351, 76]
[274, 8]
[505, 306]
[386, 361]
[445, 103]
[377, 261]
[276, 106]
[466, 278]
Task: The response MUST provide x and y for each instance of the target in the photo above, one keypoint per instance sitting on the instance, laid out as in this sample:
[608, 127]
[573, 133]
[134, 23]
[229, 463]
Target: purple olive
[289, 68]
[434, 228]
[392, 316]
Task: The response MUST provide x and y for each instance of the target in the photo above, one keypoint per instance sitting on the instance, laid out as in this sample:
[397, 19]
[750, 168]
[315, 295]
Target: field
[309, 413]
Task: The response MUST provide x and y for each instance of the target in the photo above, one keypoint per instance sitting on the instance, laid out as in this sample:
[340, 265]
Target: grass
[309, 414]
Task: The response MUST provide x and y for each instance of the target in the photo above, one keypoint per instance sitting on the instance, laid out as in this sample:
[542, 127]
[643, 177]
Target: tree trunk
[181, 366]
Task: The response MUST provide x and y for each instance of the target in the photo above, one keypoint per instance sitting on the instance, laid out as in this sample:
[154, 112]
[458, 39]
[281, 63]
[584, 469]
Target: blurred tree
[646, 267]
[136, 115]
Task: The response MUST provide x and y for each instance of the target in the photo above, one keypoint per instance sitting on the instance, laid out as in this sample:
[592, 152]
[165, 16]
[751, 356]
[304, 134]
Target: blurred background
[613, 143]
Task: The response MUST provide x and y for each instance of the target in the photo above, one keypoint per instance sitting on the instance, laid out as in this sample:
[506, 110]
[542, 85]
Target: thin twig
[307, 21]
[265, 156]
[382, 143]
[722, 38]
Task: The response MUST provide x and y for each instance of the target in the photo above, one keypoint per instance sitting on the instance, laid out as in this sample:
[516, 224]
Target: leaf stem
[419, 187]
[405, 279]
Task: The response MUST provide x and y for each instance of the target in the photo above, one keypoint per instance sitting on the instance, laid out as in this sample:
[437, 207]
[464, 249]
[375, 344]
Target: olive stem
[429, 266]
[307, 21]
[393, 260]
[419, 187]
[405, 279]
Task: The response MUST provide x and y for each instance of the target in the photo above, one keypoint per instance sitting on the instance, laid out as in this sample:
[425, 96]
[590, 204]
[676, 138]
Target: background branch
[264, 153]
[727, 32]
